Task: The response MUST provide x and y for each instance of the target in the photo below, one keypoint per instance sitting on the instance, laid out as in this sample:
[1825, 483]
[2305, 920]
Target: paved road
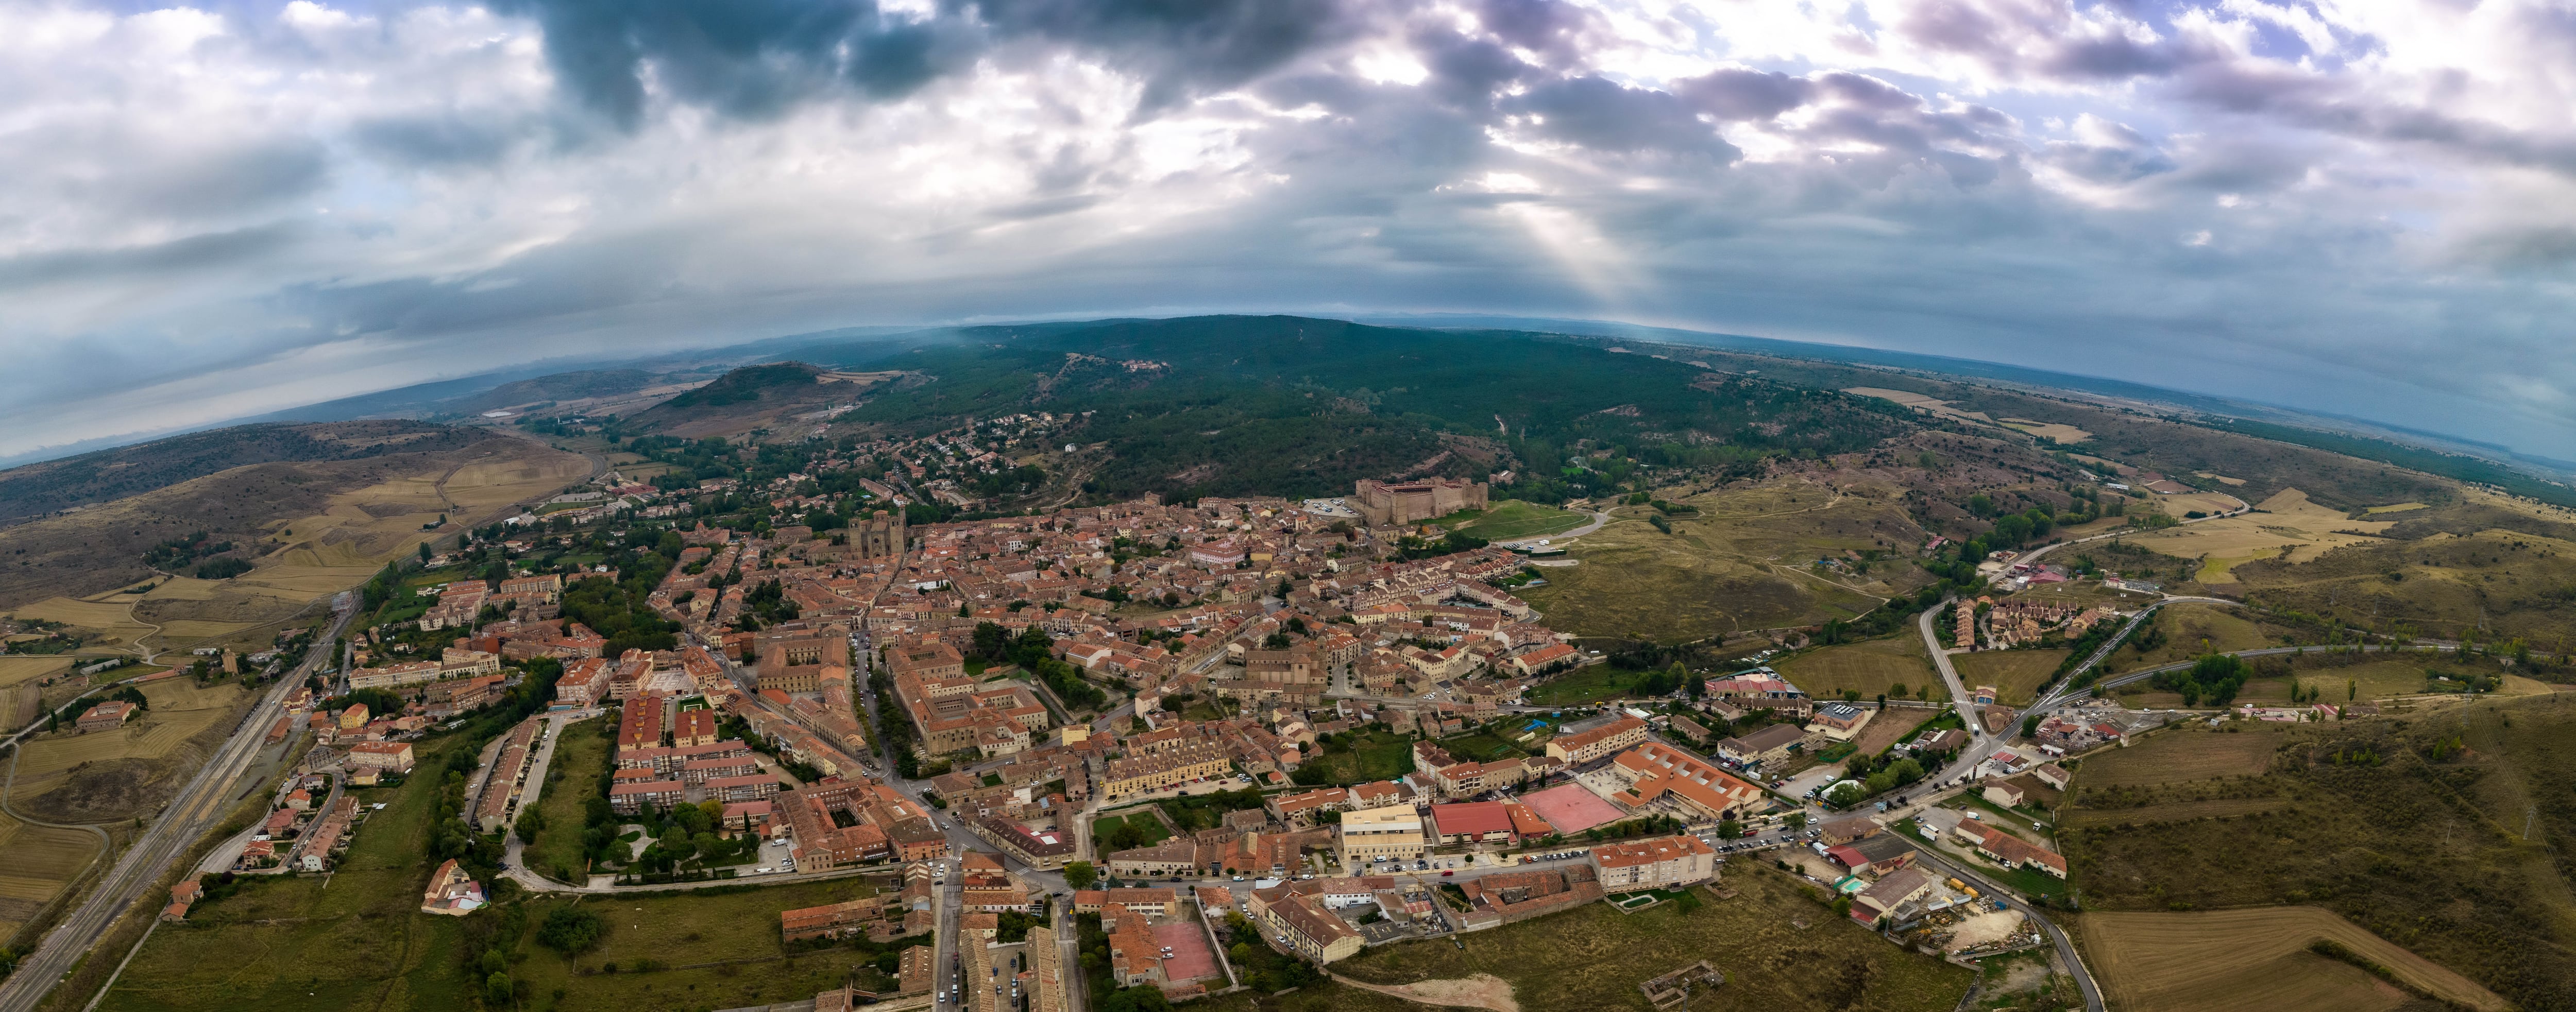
[2033, 555]
[949, 965]
[182, 822]
[1600, 519]
[1980, 744]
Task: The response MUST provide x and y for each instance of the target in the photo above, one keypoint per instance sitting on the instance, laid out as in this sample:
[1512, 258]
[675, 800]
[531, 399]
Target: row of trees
[2214, 677]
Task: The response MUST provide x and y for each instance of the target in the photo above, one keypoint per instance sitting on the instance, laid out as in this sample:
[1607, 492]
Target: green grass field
[1724, 570]
[1778, 947]
[581, 754]
[1512, 518]
[2015, 674]
[2192, 629]
[359, 940]
[359, 943]
[1153, 828]
[1377, 755]
[1480, 747]
[1869, 668]
[1585, 685]
[736, 931]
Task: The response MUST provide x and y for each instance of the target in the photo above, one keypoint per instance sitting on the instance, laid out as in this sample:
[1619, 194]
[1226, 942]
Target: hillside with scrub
[2436, 830]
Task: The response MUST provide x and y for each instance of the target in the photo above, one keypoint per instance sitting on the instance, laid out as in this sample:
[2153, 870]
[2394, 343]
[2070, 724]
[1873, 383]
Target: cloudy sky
[2360, 207]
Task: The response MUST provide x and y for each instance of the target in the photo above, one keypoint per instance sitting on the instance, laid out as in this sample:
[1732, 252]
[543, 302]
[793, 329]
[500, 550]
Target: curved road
[1600, 519]
[1981, 746]
[185, 819]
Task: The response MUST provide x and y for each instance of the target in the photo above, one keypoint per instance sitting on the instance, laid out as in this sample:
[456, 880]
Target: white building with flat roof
[1393, 832]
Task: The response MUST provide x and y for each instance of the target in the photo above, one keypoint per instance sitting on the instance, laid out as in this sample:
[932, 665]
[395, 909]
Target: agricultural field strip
[2147, 955]
[2128, 677]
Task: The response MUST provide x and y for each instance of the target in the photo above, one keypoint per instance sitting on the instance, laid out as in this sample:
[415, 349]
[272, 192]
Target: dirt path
[1483, 990]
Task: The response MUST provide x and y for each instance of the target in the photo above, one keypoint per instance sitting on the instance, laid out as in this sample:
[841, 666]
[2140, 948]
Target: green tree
[990, 640]
[1143, 998]
[496, 989]
[1080, 875]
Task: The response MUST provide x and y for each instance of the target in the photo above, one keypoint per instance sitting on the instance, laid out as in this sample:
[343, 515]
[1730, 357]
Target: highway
[182, 822]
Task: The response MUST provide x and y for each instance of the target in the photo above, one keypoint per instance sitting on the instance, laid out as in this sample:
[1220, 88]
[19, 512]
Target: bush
[224, 568]
[572, 931]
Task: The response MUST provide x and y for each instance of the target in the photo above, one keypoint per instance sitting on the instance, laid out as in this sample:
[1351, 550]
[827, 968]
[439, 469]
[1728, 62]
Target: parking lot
[1191, 958]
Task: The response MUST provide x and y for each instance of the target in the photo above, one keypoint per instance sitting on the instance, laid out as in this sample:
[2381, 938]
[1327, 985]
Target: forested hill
[1230, 405]
[37, 489]
[558, 386]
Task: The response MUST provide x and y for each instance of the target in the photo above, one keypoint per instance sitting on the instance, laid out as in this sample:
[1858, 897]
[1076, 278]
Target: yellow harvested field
[114, 622]
[2286, 522]
[185, 588]
[2055, 431]
[1868, 668]
[179, 710]
[2256, 958]
[2015, 674]
[181, 632]
[85, 614]
[2181, 754]
[2397, 507]
[503, 482]
[20, 670]
[2219, 478]
[41, 861]
[1905, 397]
[1921, 402]
[2203, 502]
[362, 530]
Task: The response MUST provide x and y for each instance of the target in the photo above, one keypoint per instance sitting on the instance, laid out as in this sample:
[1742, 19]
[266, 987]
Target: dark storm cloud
[1950, 176]
[1467, 71]
[749, 58]
[757, 58]
[1182, 47]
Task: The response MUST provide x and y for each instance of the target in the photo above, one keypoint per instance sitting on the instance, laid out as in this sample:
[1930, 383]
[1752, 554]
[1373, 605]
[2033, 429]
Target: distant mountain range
[464, 397]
